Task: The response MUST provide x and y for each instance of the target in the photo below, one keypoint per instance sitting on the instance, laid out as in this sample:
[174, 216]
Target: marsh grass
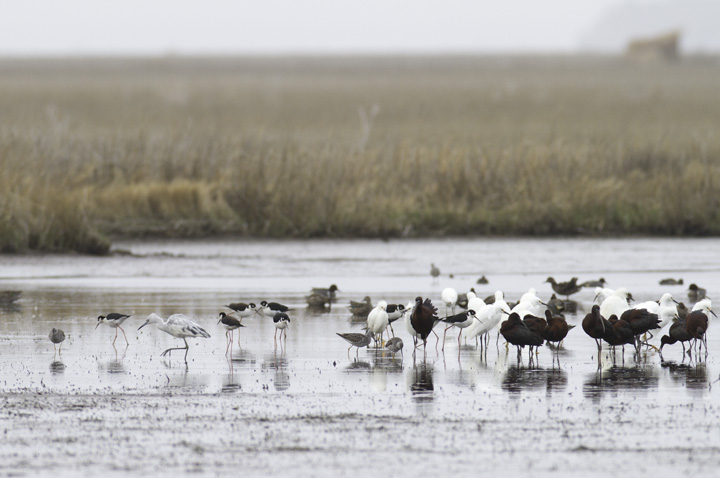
[373, 147]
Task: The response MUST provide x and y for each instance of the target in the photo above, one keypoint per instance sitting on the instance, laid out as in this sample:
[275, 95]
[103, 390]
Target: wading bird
[241, 309]
[357, 340]
[281, 321]
[270, 309]
[394, 345]
[114, 320]
[179, 326]
[377, 321]
[517, 333]
[230, 323]
[697, 322]
[461, 321]
[678, 333]
[57, 336]
[423, 319]
[449, 298]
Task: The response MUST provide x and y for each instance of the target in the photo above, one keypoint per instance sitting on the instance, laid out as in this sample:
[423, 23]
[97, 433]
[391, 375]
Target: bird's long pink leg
[126, 340]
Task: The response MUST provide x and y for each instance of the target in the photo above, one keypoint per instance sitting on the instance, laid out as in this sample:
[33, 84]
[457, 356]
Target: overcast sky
[290, 26]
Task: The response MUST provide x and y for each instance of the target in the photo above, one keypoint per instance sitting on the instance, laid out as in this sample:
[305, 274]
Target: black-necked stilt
[695, 293]
[395, 312]
[361, 309]
[377, 321]
[281, 321]
[461, 321]
[230, 323]
[395, 345]
[179, 326]
[57, 336]
[270, 309]
[357, 340]
[564, 288]
[517, 333]
[241, 309]
[114, 320]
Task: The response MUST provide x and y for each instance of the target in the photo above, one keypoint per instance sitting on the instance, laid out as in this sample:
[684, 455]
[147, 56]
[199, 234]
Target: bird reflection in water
[617, 378]
[57, 367]
[422, 383]
[694, 377]
[279, 363]
[519, 379]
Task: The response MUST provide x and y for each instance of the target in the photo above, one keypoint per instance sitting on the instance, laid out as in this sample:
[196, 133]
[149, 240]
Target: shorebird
[641, 321]
[114, 320]
[678, 333]
[281, 321]
[179, 326]
[377, 321]
[596, 326]
[557, 328]
[270, 309]
[361, 309]
[423, 319]
[394, 345]
[394, 311]
[434, 271]
[357, 340]
[697, 322]
[517, 333]
[461, 321]
[230, 323]
[564, 288]
[620, 333]
[241, 309]
[57, 336]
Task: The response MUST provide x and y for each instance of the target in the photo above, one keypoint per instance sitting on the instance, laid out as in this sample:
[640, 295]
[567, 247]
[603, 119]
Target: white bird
[529, 296]
[281, 321]
[179, 326]
[616, 303]
[114, 320]
[377, 320]
[650, 305]
[474, 302]
[704, 305]
[531, 305]
[667, 310]
[602, 293]
[449, 297]
[488, 317]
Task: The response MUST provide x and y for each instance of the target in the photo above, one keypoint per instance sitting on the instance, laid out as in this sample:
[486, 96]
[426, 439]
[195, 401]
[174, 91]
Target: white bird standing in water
[377, 320]
[449, 297]
[178, 326]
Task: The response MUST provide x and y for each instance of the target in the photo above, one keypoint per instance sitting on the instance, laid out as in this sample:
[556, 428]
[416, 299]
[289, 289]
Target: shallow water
[302, 406]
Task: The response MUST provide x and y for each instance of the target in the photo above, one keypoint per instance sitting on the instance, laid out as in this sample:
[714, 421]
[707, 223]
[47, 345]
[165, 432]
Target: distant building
[658, 48]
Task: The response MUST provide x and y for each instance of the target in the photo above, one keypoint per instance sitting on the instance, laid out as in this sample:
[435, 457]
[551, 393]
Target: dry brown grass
[355, 147]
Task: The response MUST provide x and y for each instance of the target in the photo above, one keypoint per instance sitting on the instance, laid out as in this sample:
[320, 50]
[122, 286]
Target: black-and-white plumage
[114, 320]
[272, 308]
[241, 309]
[281, 321]
[230, 323]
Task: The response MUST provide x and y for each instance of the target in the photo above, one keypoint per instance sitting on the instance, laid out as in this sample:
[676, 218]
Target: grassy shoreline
[92, 149]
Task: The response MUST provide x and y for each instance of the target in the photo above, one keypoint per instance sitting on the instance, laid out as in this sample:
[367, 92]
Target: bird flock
[530, 322]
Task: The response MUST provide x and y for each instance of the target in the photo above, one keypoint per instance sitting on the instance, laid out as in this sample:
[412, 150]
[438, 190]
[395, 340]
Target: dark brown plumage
[557, 328]
[620, 333]
[517, 333]
[696, 325]
[641, 321]
[595, 325]
[678, 333]
[423, 318]
[564, 288]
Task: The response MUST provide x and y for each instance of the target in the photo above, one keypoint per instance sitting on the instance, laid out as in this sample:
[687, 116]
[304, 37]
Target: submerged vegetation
[311, 147]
